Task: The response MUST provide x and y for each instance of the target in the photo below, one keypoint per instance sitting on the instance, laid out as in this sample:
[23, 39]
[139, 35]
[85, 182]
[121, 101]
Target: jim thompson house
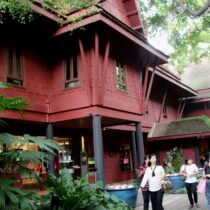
[96, 86]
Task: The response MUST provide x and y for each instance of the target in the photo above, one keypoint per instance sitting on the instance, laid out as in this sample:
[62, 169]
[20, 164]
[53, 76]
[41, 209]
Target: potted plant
[173, 161]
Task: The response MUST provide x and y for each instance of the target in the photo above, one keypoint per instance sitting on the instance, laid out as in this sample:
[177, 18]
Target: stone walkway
[176, 202]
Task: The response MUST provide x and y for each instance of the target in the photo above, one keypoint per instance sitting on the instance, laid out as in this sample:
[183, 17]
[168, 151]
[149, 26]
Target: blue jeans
[208, 193]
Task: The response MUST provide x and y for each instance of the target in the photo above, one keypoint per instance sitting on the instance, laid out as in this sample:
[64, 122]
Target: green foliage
[17, 10]
[202, 118]
[66, 193]
[174, 160]
[189, 36]
[14, 159]
[23, 12]
[14, 198]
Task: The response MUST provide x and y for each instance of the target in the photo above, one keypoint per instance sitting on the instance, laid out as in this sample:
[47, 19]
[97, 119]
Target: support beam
[98, 148]
[140, 143]
[87, 74]
[134, 155]
[149, 89]
[163, 104]
[179, 108]
[145, 86]
[49, 135]
[182, 109]
[197, 155]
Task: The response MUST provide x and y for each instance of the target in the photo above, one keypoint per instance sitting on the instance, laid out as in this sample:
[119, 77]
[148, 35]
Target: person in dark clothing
[206, 175]
[145, 190]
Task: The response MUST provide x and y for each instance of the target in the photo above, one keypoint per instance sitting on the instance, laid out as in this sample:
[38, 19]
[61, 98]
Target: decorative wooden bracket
[87, 74]
[149, 90]
[163, 104]
[181, 107]
[105, 67]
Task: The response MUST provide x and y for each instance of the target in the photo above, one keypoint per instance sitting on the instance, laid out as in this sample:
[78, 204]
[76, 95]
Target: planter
[177, 181]
[129, 195]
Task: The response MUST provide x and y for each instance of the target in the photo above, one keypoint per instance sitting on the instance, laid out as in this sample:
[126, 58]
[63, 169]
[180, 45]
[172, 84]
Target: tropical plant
[173, 160]
[75, 194]
[16, 159]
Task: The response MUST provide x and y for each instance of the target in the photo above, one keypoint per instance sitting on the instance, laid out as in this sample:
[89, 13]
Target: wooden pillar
[98, 148]
[197, 155]
[49, 135]
[140, 143]
[134, 155]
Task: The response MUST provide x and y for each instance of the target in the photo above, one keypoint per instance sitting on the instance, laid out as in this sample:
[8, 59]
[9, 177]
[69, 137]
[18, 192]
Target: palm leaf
[46, 145]
[7, 139]
[12, 197]
[2, 200]
[3, 124]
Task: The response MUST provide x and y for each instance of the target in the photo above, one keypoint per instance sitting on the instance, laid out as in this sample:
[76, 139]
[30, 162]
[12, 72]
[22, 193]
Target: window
[15, 71]
[71, 70]
[120, 74]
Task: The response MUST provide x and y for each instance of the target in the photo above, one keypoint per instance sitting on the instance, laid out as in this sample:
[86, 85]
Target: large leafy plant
[67, 193]
[16, 159]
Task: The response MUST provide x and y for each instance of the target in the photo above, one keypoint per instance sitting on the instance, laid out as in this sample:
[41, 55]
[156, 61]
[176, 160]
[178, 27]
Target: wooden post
[98, 148]
[49, 135]
[134, 156]
[197, 155]
[140, 143]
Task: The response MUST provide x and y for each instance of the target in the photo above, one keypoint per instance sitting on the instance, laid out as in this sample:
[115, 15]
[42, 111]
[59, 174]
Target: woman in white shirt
[154, 175]
[190, 171]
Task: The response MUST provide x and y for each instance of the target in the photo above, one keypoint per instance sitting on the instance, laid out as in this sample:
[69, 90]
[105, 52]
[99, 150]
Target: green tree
[185, 22]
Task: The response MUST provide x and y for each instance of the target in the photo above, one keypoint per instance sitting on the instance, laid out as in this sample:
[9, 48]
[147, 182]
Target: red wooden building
[96, 79]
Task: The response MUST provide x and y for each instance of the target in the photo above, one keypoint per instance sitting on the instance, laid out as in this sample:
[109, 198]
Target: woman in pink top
[145, 190]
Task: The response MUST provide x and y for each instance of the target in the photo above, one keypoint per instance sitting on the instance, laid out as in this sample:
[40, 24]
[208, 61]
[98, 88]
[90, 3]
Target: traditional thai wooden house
[94, 83]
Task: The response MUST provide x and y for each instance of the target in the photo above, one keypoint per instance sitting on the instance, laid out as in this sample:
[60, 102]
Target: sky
[161, 43]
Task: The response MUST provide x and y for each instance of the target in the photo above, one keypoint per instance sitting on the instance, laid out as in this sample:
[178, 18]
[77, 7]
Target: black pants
[157, 199]
[146, 199]
[192, 189]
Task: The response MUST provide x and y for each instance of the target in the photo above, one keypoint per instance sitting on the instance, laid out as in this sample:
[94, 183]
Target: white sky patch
[160, 42]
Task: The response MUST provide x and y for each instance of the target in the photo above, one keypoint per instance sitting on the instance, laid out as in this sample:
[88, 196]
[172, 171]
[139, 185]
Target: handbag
[166, 184]
[201, 188]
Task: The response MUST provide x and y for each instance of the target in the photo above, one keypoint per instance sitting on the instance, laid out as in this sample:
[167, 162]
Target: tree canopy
[186, 23]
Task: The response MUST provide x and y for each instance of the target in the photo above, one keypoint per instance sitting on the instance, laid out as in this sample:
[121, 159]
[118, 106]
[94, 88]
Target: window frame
[120, 68]
[12, 74]
[74, 81]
